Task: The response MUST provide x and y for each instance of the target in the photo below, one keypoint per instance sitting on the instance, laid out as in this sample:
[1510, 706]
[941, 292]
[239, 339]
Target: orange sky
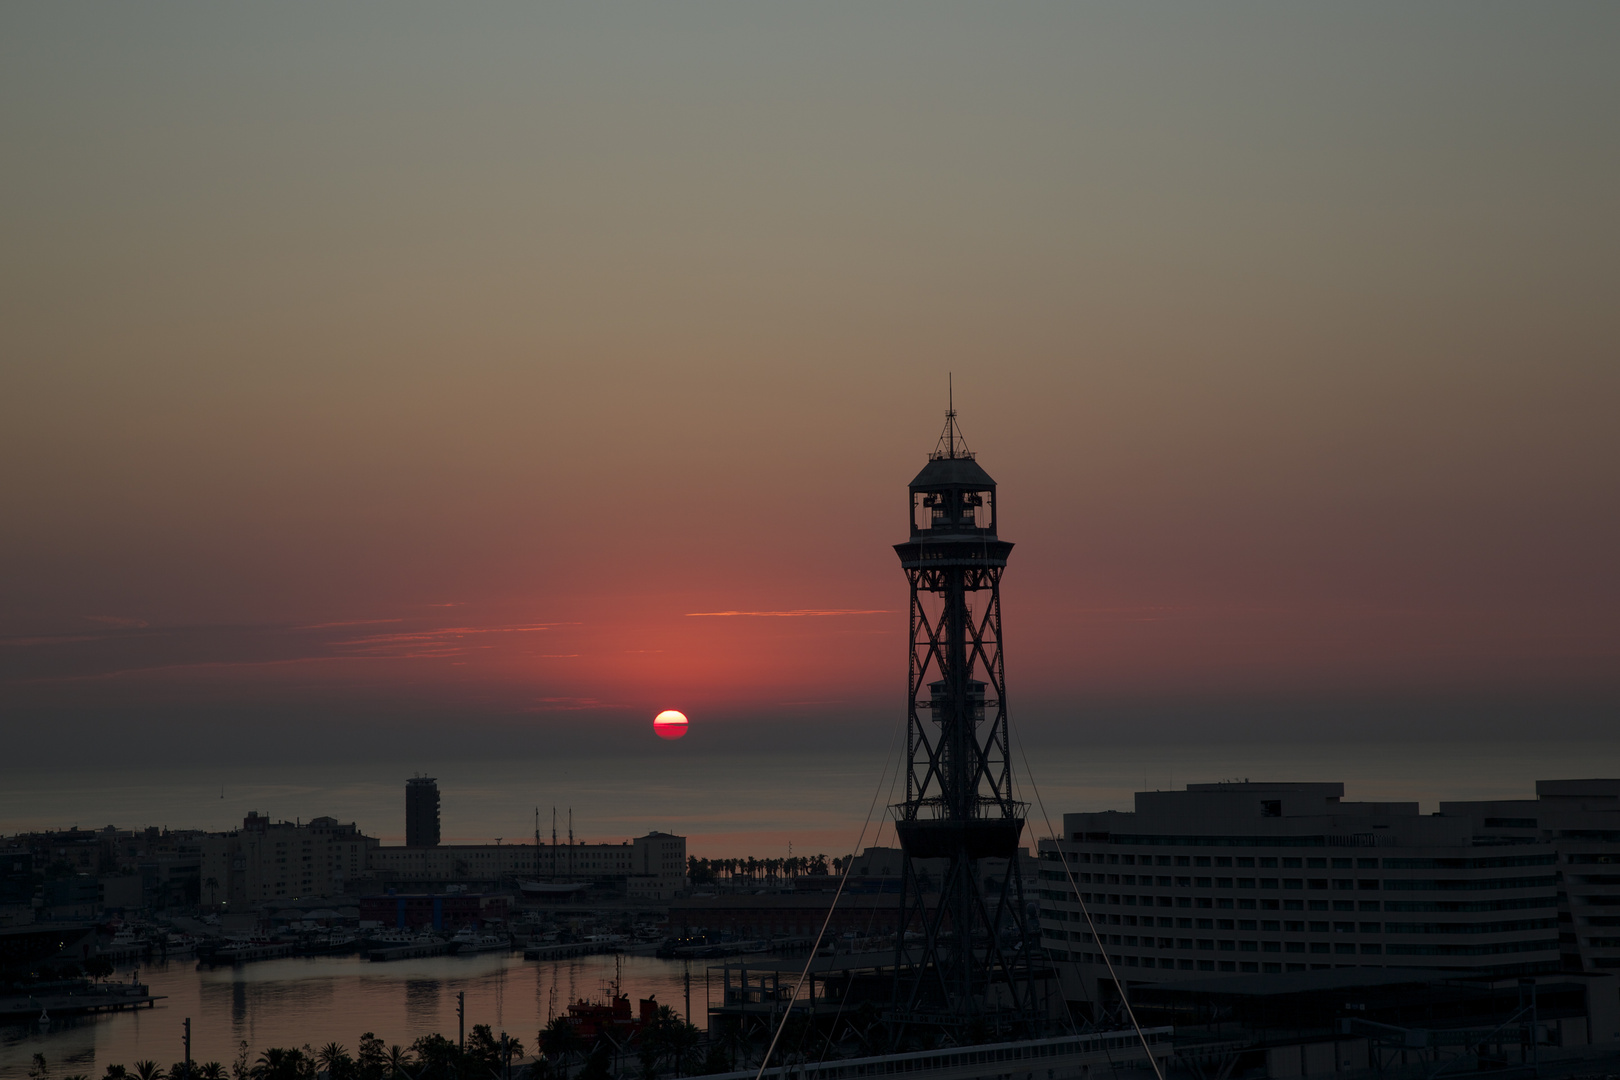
[460, 364]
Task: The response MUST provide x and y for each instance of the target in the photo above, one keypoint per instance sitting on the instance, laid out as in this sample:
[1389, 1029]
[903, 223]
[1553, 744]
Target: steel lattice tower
[961, 970]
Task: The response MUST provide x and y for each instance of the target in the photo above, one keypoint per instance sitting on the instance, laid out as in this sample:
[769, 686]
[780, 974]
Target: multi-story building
[421, 812]
[649, 867]
[1259, 878]
[266, 860]
[1580, 821]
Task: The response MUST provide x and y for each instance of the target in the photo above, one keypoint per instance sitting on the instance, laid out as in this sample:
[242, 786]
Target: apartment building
[265, 860]
[1255, 878]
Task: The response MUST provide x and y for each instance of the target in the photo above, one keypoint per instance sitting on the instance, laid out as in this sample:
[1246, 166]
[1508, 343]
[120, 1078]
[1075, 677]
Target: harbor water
[317, 1000]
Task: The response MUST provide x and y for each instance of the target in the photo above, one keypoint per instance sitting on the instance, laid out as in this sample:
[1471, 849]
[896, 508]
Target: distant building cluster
[78, 874]
[1277, 878]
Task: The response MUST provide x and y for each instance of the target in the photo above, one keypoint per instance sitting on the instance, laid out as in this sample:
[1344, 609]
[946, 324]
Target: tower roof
[952, 472]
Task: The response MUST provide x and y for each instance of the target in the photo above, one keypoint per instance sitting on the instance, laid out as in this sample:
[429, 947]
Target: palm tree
[335, 1059]
[559, 1040]
[149, 1070]
[213, 1070]
[396, 1061]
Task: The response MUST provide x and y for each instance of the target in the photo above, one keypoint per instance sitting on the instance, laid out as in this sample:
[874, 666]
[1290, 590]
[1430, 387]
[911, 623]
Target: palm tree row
[668, 1045]
[706, 871]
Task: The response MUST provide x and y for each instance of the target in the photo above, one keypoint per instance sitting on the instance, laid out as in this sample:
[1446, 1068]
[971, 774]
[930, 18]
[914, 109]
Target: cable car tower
[967, 968]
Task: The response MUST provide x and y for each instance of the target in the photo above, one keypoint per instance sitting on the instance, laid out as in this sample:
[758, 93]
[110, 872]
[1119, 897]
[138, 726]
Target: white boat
[471, 940]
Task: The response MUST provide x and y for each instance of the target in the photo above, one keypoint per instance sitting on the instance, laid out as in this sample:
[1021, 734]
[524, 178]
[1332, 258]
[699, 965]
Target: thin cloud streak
[797, 613]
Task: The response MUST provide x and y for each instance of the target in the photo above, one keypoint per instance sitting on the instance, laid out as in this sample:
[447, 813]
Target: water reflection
[291, 1002]
[421, 1003]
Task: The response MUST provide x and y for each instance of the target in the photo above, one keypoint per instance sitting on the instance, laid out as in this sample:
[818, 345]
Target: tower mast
[963, 971]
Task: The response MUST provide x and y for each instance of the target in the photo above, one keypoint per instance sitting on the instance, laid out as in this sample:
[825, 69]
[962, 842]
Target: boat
[472, 940]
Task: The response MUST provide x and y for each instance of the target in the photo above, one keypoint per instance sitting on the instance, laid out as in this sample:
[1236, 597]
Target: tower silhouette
[969, 962]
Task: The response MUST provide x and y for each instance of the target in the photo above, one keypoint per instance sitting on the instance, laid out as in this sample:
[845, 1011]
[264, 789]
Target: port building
[1277, 878]
[651, 867]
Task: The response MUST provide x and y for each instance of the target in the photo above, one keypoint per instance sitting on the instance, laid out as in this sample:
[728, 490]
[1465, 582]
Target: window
[1344, 928]
[1183, 882]
[1293, 883]
[1245, 882]
[1247, 924]
[1316, 863]
[1184, 924]
[1294, 946]
[1271, 808]
[1202, 883]
[1268, 905]
[1367, 864]
[1268, 883]
[1245, 860]
[1228, 946]
[1184, 943]
[1319, 927]
[1371, 927]
[1248, 946]
[1183, 860]
[1246, 905]
[1207, 944]
[1223, 883]
[1206, 924]
[1200, 860]
[1223, 860]
[1369, 905]
[1293, 905]
[1224, 924]
[1292, 863]
[1341, 864]
[1270, 924]
[1206, 901]
[1316, 883]
[1268, 860]
[1294, 926]
[1371, 950]
[1344, 905]
[1319, 947]
[1272, 946]
[1164, 860]
[1319, 905]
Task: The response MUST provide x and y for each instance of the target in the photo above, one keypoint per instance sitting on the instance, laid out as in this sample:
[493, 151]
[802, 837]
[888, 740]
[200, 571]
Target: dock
[563, 952]
[410, 952]
[92, 998]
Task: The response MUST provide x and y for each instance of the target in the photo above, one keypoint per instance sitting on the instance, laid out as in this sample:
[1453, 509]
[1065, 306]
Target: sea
[727, 805]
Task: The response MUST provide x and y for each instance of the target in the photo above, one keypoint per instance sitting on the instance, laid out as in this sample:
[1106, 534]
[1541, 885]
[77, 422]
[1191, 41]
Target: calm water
[735, 805]
[324, 999]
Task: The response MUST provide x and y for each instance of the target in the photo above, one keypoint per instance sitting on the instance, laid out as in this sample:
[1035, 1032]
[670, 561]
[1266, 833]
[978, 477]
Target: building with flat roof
[649, 867]
[1274, 878]
[422, 812]
[283, 860]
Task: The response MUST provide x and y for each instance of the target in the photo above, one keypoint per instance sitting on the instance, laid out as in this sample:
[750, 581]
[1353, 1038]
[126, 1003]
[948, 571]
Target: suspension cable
[1085, 910]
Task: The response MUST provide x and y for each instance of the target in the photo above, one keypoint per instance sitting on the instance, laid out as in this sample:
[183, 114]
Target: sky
[428, 375]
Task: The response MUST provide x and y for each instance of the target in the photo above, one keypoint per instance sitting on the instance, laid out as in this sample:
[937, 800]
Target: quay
[1066, 1057]
[94, 998]
[563, 952]
[410, 952]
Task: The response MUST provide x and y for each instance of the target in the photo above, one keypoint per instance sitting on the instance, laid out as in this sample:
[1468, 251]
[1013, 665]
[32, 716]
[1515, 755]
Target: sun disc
[670, 724]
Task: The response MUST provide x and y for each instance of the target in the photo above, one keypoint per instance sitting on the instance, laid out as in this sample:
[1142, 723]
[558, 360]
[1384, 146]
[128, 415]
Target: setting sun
[670, 724]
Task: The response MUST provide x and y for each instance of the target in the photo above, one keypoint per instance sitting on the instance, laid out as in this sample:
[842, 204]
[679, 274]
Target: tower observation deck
[974, 969]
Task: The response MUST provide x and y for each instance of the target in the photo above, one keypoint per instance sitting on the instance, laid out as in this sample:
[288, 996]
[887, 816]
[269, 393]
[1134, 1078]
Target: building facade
[649, 867]
[1256, 878]
[421, 812]
[265, 860]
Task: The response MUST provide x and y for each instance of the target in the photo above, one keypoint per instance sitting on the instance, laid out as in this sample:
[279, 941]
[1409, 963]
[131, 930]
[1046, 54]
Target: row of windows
[1305, 862]
[1320, 948]
[1167, 881]
[1296, 926]
[1317, 948]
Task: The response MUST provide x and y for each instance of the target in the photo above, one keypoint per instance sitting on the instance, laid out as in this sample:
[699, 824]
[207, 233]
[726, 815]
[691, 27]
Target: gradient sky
[375, 361]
